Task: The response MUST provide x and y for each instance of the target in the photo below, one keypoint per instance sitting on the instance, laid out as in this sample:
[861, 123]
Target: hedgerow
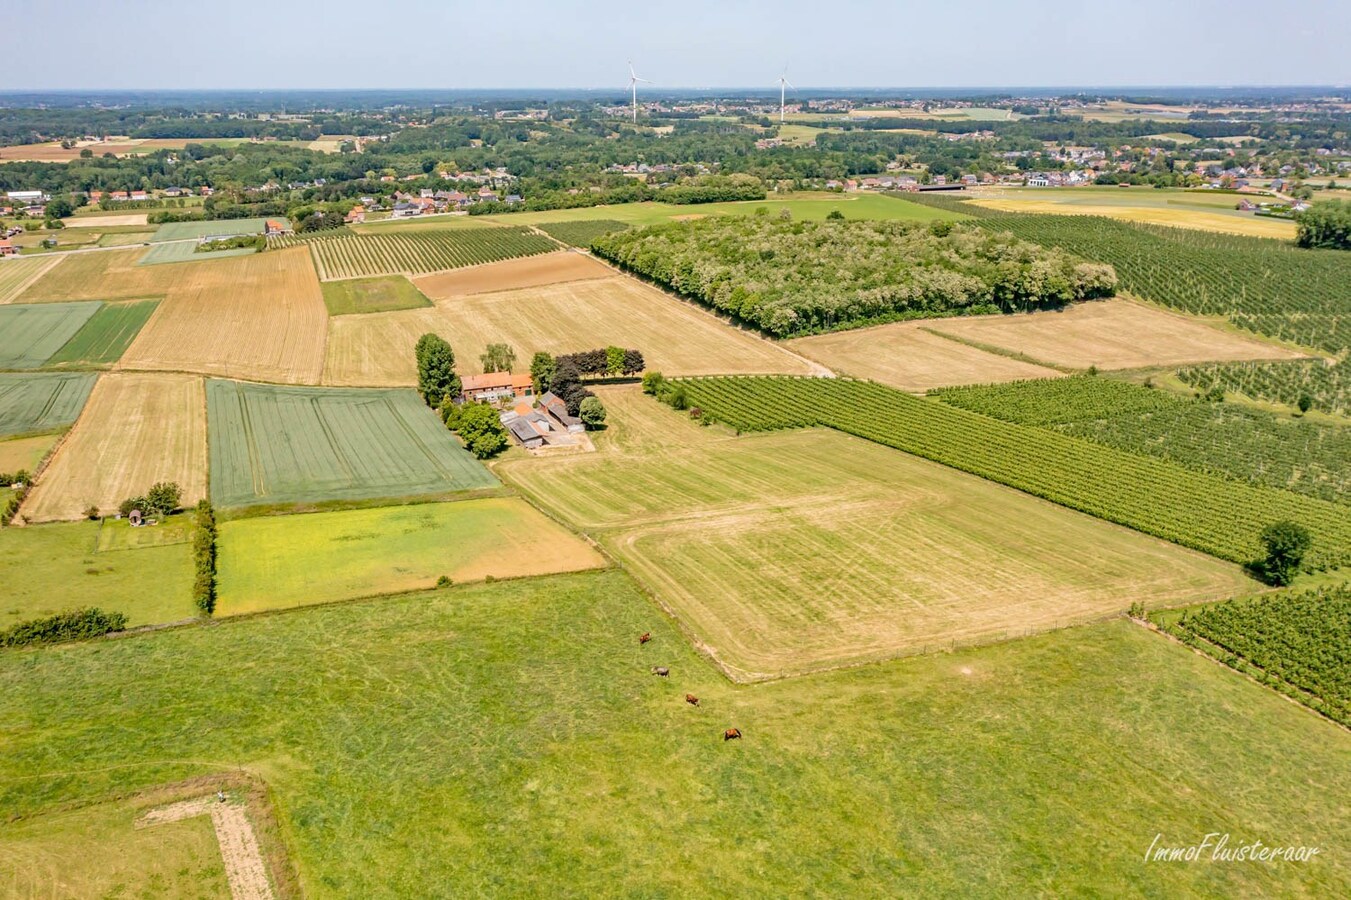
[78, 625]
[204, 559]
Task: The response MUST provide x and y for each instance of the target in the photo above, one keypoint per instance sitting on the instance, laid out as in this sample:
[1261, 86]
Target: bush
[592, 413]
[79, 625]
[444, 582]
[652, 382]
[163, 497]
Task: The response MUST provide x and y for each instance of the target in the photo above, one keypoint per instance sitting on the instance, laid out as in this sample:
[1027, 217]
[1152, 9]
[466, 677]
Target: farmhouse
[273, 228]
[535, 428]
[7, 248]
[496, 386]
[557, 410]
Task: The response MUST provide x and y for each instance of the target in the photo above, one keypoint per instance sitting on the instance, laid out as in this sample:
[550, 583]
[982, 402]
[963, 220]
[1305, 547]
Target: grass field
[674, 337]
[24, 454]
[780, 552]
[367, 295]
[185, 251]
[275, 562]
[184, 231]
[513, 274]
[124, 238]
[41, 402]
[47, 569]
[273, 444]
[1111, 334]
[30, 333]
[105, 336]
[909, 356]
[508, 738]
[1158, 207]
[810, 205]
[18, 272]
[261, 316]
[136, 429]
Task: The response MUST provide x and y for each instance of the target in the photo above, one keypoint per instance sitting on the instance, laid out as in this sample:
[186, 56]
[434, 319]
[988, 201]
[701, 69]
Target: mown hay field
[17, 273]
[274, 562]
[908, 356]
[276, 444]
[41, 402]
[185, 252]
[191, 231]
[261, 316]
[31, 333]
[675, 337]
[513, 274]
[136, 429]
[432, 726]
[415, 252]
[793, 552]
[105, 336]
[1111, 334]
[54, 568]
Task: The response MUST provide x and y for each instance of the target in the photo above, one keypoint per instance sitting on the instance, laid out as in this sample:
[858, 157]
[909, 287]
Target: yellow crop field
[1111, 334]
[105, 275]
[18, 273]
[675, 337]
[909, 356]
[260, 317]
[513, 274]
[135, 430]
[1177, 217]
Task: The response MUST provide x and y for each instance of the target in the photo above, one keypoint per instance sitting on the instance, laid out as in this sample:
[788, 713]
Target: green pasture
[367, 295]
[185, 251]
[274, 562]
[47, 569]
[40, 402]
[105, 336]
[182, 231]
[31, 333]
[510, 739]
[811, 205]
[276, 444]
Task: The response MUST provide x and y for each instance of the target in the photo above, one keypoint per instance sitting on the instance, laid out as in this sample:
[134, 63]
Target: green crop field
[274, 562]
[1245, 444]
[582, 232]
[391, 251]
[41, 402]
[273, 444]
[185, 251]
[185, 231]
[1156, 496]
[31, 333]
[47, 569]
[370, 295]
[105, 336]
[779, 552]
[509, 738]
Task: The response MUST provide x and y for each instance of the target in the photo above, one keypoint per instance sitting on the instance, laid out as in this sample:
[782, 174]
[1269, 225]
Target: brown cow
[661, 670]
[691, 700]
[644, 637]
[732, 734]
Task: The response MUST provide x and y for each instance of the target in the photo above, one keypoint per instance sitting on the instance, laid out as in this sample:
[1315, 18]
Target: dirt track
[244, 866]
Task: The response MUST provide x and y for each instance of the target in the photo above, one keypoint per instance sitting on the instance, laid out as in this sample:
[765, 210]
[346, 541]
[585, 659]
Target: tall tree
[436, 378]
[498, 358]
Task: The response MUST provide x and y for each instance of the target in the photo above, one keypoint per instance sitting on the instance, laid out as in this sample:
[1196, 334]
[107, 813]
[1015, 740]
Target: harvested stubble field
[675, 337]
[105, 336]
[788, 553]
[31, 333]
[512, 275]
[276, 562]
[136, 429]
[909, 356]
[41, 402]
[416, 252]
[17, 273]
[49, 569]
[261, 316]
[105, 275]
[274, 444]
[1111, 334]
[114, 221]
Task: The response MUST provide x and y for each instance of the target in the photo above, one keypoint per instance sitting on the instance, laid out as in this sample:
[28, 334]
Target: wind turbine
[633, 86]
[783, 84]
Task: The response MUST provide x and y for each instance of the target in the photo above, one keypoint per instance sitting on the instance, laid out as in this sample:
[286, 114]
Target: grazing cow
[661, 670]
[732, 734]
[644, 637]
[691, 700]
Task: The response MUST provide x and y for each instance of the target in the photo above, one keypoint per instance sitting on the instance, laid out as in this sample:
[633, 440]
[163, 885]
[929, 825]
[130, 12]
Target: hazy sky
[687, 43]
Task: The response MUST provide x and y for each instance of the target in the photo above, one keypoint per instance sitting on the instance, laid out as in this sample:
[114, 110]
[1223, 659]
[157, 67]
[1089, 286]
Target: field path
[244, 867]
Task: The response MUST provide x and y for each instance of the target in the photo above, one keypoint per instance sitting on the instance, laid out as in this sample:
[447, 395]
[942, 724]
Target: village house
[273, 228]
[140, 195]
[493, 386]
[355, 215]
[7, 248]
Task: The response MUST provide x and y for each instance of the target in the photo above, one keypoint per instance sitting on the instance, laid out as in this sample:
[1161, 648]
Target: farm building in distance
[548, 425]
[494, 386]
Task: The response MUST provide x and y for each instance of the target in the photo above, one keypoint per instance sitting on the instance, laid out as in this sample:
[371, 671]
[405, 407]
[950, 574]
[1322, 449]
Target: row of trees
[564, 376]
[477, 424]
